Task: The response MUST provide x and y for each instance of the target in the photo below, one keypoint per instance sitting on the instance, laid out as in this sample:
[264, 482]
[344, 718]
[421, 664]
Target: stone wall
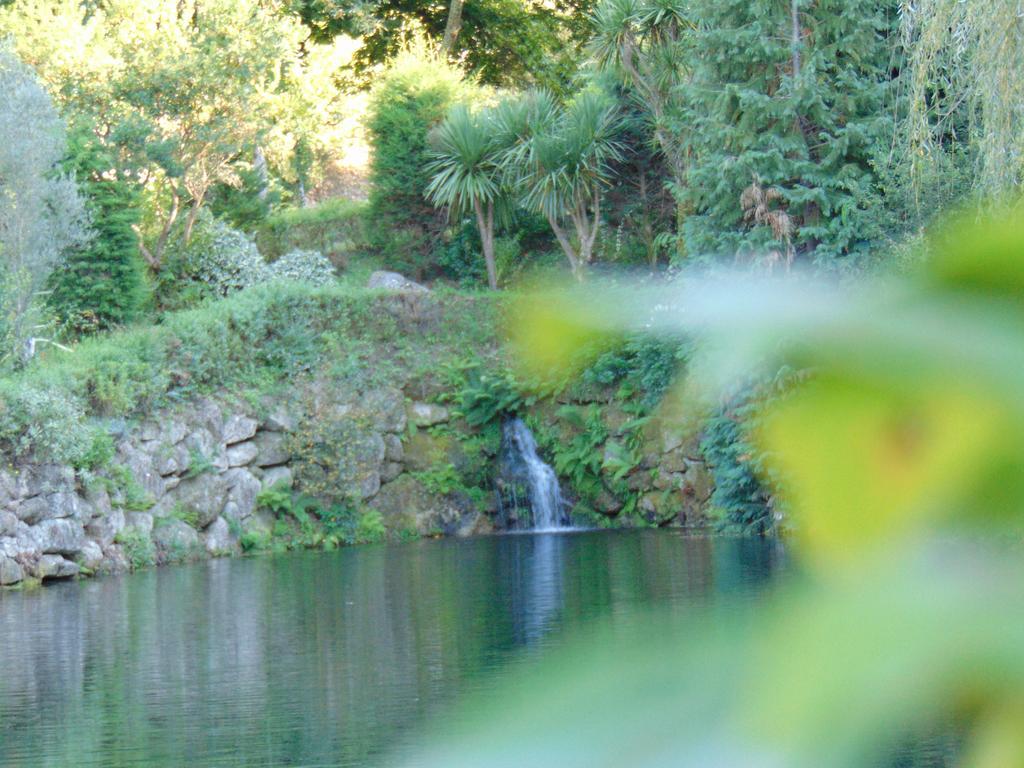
[184, 484]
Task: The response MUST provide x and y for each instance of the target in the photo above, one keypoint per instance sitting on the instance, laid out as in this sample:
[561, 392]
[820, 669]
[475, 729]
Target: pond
[322, 659]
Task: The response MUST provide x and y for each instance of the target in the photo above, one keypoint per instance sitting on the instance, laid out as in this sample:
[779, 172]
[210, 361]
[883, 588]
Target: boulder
[237, 429]
[424, 451]
[39, 479]
[33, 510]
[393, 281]
[389, 471]
[393, 450]
[205, 494]
[279, 420]
[241, 454]
[277, 476]
[104, 528]
[203, 443]
[243, 488]
[272, 449]
[8, 524]
[11, 571]
[140, 464]
[427, 414]
[55, 567]
[218, 538]
[8, 490]
[139, 522]
[406, 505]
[385, 410]
[64, 537]
[175, 540]
[91, 556]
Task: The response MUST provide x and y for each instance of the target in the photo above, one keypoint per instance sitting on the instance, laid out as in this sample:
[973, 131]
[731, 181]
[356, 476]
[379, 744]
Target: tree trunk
[454, 25]
[190, 222]
[795, 36]
[156, 262]
[570, 252]
[486, 225]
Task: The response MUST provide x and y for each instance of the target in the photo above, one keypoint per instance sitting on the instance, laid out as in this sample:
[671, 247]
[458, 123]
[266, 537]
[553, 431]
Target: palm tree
[467, 174]
[561, 161]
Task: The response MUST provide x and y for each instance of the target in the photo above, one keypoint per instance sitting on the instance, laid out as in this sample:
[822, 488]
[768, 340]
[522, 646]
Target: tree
[102, 285]
[468, 175]
[42, 217]
[965, 88]
[789, 116]
[184, 88]
[408, 102]
[560, 161]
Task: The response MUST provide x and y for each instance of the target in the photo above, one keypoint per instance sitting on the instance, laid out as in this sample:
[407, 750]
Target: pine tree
[102, 285]
[786, 108]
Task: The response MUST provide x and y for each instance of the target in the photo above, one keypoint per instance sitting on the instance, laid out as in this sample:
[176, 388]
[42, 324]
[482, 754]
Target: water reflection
[320, 659]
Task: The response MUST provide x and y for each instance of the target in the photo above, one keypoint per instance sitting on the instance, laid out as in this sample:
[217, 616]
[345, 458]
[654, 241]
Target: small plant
[198, 464]
[128, 492]
[254, 540]
[137, 547]
[370, 529]
[187, 515]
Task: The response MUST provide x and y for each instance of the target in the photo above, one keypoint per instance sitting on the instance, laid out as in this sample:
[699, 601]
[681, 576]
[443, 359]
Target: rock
[219, 540]
[8, 523]
[174, 431]
[664, 479]
[39, 479]
[671, 440]
[99, 501]
[8, 490]
[427, 414]
[607, 503]
[22, 544]
[367, 486]
[91, 556]
[205, 494]
[241, 454]
[51, 506]
[277, 476]
[406, 506]
[175, 540]
[389, 471]
[237, 429]
[140, 464]
[279, 420]
[104, 529]
[55, 567]
[272, 449]
[392, 281]
[139, 522]
[424, 451]
[243, 487]
[149, 431]
[393, 450]
[114, 560]
[10, 571]
[385, 409]
[208, 415]
[63, 537]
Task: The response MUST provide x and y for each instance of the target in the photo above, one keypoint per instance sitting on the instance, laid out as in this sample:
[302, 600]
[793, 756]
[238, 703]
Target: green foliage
[45, 423]
[487, 396]
[643, 365]
[137, 547]
[370, 529]
[102, 285]
[739, 496]
[128, 493]
[782, 132]
[216, 261]
[255, 540]
[408, 101]
[310, 267]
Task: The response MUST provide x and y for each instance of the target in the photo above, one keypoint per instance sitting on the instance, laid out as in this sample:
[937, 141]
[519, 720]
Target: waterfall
[545, 496]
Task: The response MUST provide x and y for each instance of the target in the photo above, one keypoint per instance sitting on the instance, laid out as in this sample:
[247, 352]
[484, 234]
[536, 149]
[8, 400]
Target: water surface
[322, 659]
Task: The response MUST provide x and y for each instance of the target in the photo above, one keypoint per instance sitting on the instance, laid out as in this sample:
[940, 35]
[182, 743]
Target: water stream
[546, 503]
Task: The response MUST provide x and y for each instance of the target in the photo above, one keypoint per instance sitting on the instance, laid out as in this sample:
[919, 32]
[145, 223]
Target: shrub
[44, 422]
[410, 99]
[304, 266]
[137, 547]
[217, 261]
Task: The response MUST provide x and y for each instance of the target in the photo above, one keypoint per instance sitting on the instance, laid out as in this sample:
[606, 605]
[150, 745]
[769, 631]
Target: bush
[412, 97]
[217, 261]
[310, 267]
[45, 422]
